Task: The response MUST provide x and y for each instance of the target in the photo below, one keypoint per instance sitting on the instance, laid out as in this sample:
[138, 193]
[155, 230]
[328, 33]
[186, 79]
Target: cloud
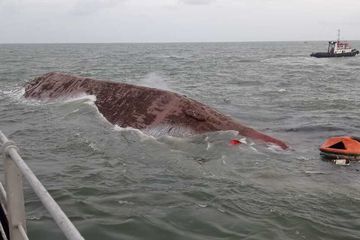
[175, 20]
[8, 3]
[197, 2]
[85, 7]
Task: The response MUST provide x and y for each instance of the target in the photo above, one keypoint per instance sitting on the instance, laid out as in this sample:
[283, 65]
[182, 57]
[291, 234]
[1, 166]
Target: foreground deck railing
[12, 196]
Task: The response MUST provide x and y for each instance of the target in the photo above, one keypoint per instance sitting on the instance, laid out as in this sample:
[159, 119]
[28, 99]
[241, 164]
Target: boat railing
[12, 197]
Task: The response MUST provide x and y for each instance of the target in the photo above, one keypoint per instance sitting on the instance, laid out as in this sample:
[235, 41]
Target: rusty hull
[141, 107]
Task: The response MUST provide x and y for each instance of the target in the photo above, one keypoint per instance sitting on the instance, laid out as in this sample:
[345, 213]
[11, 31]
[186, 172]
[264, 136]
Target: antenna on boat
[338, 35]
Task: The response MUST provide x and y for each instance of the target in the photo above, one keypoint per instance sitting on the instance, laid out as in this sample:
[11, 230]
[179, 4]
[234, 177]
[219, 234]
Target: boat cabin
[338, 47]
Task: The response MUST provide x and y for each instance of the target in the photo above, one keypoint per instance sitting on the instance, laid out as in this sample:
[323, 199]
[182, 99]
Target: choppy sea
[118, 183]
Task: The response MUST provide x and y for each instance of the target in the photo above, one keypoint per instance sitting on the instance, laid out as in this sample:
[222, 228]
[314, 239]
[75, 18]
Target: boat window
[339, 145]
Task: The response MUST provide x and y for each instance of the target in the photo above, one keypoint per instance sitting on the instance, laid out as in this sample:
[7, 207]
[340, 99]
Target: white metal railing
[12, 196]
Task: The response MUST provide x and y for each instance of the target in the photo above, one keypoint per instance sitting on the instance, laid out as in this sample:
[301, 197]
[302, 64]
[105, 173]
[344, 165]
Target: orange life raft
[345, 147]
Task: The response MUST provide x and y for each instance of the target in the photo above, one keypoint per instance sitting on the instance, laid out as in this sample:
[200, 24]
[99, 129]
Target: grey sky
[176, 20]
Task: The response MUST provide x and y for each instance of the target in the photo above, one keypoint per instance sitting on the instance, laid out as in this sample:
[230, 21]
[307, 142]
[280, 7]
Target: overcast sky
[57, 21]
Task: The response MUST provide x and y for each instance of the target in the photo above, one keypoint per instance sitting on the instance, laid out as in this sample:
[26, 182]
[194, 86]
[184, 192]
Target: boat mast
[338, 35]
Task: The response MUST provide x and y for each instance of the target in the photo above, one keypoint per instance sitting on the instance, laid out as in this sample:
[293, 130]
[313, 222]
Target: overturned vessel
[343, 147]
[148, 109]
[337, 49]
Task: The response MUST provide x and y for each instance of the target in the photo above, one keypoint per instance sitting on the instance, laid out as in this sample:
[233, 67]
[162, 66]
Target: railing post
[14, 168]
[15, 196]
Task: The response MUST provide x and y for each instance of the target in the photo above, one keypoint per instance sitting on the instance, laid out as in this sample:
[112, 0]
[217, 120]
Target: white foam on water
[86, 99]
[254, 149]
[162, 134]
[125, 202]
[209, 145]
[243, 140]
[141, 134]
[93, 147]
[89, 99]
[248, 143]
[16, 94]
[202, 205]
[274, 148]
[223, 161]
[82, 98]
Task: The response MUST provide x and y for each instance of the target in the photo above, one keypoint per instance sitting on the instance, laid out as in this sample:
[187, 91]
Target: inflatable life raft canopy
[345, 147]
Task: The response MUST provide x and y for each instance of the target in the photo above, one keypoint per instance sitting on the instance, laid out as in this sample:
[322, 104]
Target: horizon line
[167, 42]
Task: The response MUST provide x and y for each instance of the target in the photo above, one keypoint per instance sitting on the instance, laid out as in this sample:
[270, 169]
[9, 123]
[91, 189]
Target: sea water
[117, 183]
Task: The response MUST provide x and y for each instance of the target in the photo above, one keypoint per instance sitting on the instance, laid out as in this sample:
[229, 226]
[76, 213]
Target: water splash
[154, 80]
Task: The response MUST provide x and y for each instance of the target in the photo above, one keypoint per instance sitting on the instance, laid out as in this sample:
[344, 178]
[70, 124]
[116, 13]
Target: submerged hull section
[141, 107]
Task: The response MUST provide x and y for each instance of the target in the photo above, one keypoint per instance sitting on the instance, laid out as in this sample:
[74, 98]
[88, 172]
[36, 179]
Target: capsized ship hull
[142, 108]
